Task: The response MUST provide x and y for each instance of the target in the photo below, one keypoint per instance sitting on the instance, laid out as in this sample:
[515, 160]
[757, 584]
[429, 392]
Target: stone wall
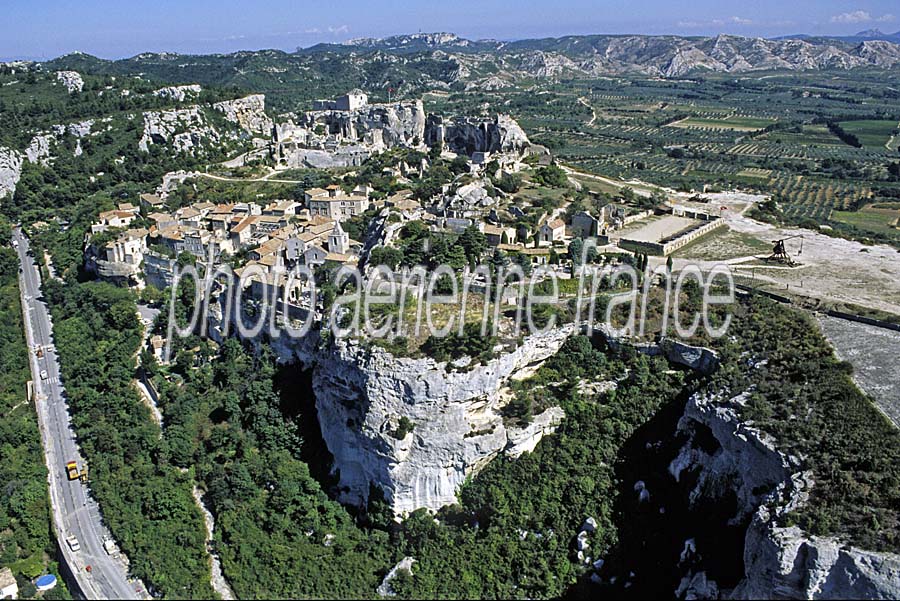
[667, 246]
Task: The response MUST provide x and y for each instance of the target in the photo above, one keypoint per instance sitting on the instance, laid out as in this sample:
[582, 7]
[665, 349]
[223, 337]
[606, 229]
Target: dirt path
[219, 584]
[266, 178]
[582, 100]
[640, 188]
[890, 143]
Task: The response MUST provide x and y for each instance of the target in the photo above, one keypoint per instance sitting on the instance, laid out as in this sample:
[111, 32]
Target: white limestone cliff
[788, 563]
[465, 136]
[71, 80]
[779, 561]
[179, 93]
[249, 113]
[183, 128]
[10, 171]
[363, 391]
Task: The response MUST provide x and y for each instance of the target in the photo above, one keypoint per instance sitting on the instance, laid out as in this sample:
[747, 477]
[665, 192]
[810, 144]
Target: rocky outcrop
[185, 129]
[179, 93]
[343, 156]
[249, 113]
[451, 416]
[500, 134]
[787, 563]
[337, 138]
[728, 456]
[38, 150]
[362, 392]
[10, 171]
[723, 455]
[404, 565]
[468, 200]
[71, 79]
[524, 440]
[697, 358]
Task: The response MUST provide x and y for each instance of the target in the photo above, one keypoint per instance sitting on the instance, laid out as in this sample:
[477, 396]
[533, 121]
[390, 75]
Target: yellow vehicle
[73, 473]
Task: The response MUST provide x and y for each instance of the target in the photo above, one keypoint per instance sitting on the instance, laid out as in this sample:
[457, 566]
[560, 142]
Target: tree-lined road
[74, 512]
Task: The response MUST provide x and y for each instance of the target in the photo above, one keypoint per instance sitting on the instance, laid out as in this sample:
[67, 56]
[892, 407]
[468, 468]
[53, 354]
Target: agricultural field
[734, 123]
[873, 133]
[816, 199]
[876, 220]
[766, 133]
[810, 135]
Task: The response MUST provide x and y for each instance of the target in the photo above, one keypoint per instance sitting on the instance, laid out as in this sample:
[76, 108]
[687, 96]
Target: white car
[73, 543]
[43, 374]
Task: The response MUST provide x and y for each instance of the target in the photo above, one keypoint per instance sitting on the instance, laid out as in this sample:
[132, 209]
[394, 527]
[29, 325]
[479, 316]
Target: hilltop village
[446, 177]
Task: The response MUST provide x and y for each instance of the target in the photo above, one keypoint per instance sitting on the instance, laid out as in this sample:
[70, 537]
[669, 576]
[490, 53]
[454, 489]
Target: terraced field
[871, 219]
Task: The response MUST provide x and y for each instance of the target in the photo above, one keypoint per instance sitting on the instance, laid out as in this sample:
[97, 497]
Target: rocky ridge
[38, 151]
[184, 129]
[10, 171]
[178, 93]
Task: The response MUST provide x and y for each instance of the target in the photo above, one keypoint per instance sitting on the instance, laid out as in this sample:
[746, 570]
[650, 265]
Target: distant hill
[413, 63]
[862, 36]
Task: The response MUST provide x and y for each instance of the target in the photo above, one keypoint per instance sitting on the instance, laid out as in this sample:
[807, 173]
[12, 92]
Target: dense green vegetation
[27, 542]
[278, 533]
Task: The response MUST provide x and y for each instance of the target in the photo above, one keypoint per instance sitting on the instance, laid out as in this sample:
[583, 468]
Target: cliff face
[417, 429]
[183, 128]
[726, 455]
[500, 134]
[10, 171]
[362, 394]
[248, 112]
[786, 562]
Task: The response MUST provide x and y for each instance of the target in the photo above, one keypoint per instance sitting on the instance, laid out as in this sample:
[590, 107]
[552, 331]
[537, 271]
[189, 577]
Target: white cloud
[857, 16]
[714, 23]
[860, 16]
[330, 29]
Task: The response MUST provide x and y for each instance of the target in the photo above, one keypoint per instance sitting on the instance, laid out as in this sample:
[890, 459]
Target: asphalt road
[73, 509]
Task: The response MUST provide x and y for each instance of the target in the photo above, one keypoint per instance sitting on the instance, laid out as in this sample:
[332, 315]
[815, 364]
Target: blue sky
[113, 29]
